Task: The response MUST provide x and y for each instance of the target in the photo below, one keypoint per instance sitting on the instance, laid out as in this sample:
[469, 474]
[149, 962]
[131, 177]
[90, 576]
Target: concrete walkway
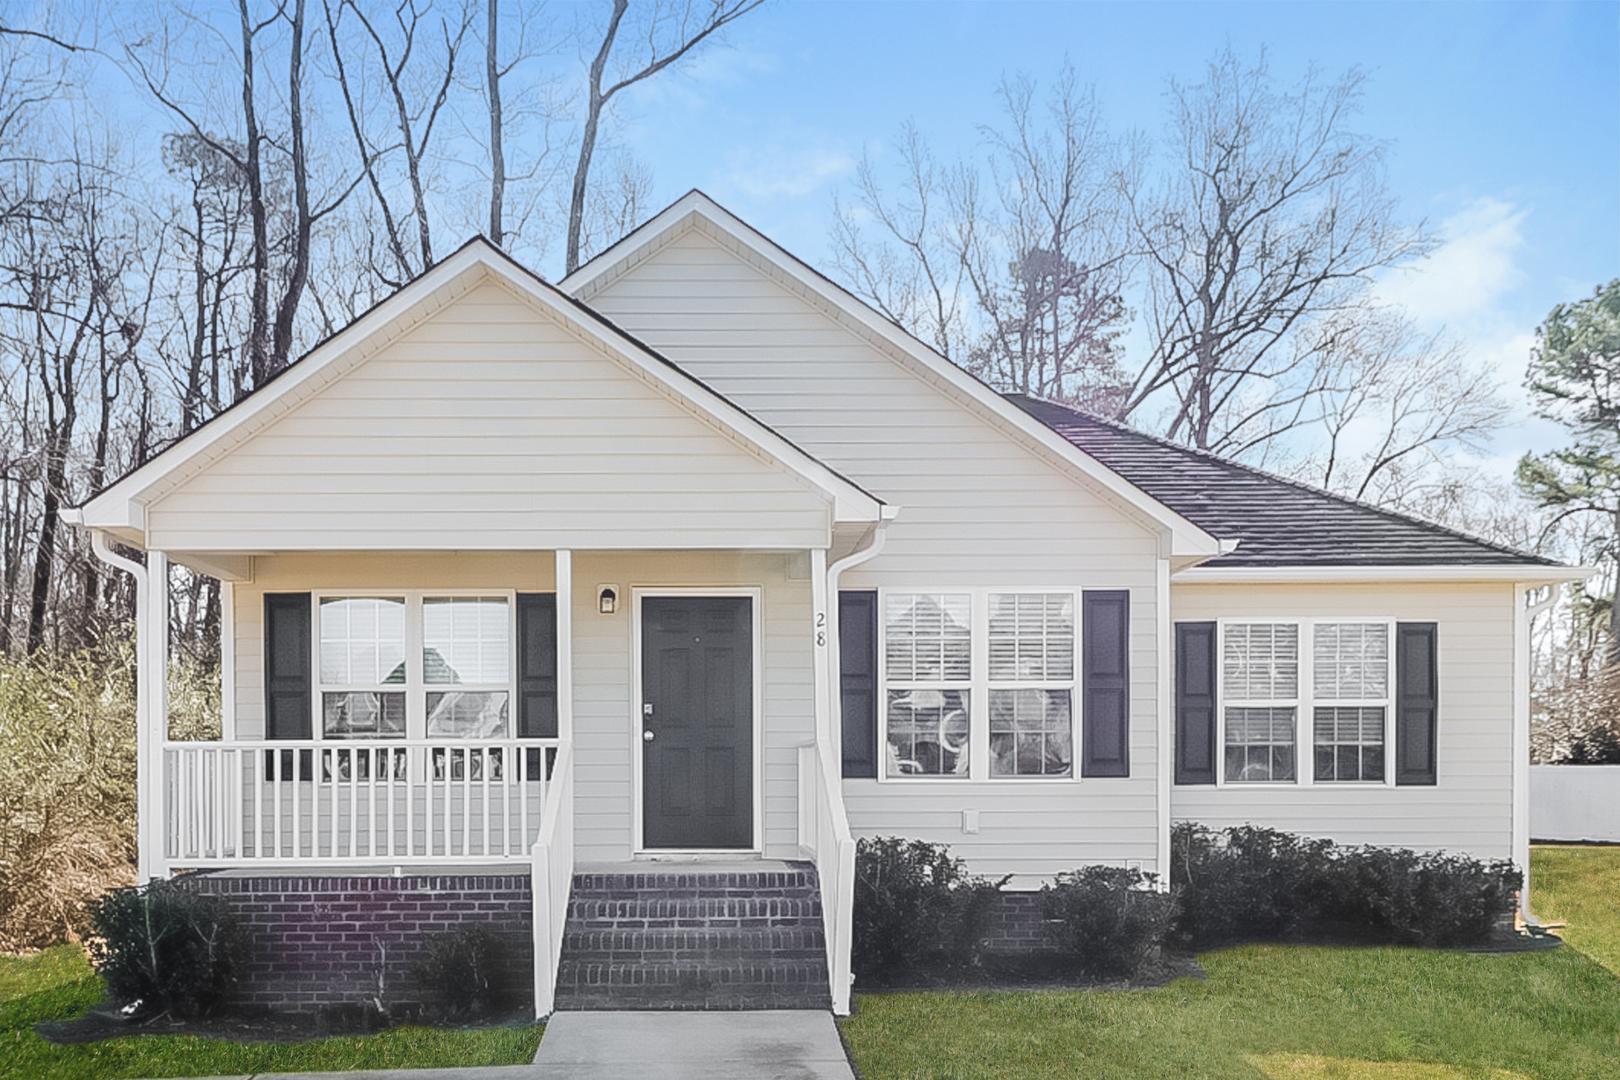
[777, 1045]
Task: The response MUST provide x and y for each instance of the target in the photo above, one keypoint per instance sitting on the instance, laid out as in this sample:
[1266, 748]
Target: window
[928, 675]
[1260, 696]
[1031, 684]
[431, 666]
[362, 661]
[1350, 683]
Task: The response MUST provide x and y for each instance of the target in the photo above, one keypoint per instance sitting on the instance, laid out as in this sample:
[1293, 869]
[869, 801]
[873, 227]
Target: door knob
[646, 736]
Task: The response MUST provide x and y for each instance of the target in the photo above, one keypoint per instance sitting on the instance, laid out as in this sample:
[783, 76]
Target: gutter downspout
[144, 771]
[1526, 606]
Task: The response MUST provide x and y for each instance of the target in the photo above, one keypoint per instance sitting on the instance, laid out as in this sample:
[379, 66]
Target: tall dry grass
[67, 782]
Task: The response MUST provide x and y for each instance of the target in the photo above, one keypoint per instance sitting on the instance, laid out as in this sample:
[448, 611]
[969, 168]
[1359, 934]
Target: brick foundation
[319, 944]
[1015, 924]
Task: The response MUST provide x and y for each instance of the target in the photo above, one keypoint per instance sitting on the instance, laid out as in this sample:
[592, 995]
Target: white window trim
[415, 687]
[1304, 704]
[979, 685]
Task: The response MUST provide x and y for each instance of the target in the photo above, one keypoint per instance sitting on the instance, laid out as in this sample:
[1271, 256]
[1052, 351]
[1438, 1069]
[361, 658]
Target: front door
[697, 722]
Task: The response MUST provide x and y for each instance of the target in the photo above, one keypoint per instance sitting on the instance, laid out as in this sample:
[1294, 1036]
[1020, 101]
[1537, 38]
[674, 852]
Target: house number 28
[821, 629]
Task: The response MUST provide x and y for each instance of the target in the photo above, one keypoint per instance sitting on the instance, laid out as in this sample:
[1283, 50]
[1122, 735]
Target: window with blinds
[1350, 685]
[928, 675]
[1260, 693]
[1031, 684]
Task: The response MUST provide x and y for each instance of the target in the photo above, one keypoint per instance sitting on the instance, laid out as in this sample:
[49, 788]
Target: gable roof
[118, 505]
[1278, 522]
[1188, 540]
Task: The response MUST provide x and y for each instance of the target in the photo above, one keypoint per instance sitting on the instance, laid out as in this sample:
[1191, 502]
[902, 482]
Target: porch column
[565, 643]
[821, 627]
[152, 660]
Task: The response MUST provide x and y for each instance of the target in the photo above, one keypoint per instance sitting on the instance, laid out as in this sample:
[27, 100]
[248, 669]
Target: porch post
[821, 627]
[565, 643]
[153, 649]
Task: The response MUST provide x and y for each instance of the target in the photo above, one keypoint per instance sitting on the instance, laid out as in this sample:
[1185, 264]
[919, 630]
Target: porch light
[607, 599]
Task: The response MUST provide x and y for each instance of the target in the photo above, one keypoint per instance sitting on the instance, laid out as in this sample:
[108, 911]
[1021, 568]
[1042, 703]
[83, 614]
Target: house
[608, 613]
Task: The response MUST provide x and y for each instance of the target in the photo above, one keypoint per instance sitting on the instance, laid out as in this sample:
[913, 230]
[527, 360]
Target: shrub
[460, 972]
[1243, 883]
[917, 910]
[1105, 920]
[1254, 884]
[167, 948]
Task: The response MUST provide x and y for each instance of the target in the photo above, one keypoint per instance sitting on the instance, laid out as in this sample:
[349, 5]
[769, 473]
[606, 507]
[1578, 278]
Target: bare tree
[1014, 269]
[1272, 215]
[671, 30]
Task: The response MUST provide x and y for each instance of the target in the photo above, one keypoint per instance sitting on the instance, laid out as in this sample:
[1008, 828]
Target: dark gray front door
[697, 693]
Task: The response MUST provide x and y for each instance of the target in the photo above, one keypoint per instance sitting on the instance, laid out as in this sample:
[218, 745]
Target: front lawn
[58, 984]
[1291, 1011]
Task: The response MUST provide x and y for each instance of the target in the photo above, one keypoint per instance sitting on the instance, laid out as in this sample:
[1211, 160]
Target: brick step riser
[659, 999]
[695, 882]
[771, 941]
[696, 911]
[693, 975]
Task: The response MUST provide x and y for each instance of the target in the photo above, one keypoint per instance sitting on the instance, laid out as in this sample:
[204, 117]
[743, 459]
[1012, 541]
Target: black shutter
[1195, 703]
[1105, 647]
[1417, 702]
[288, 670]
[857, 661]
[537, 665]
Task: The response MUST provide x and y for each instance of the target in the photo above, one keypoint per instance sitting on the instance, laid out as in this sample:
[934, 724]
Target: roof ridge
[1206, 455]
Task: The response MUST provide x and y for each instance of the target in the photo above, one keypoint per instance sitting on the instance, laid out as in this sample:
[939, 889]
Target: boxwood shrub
[164, 948]
[1106, 920]
[459, 973]
[918, 912]
[1254, 884]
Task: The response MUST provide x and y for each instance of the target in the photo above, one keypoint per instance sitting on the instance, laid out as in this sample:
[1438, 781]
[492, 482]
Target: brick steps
[687, 939]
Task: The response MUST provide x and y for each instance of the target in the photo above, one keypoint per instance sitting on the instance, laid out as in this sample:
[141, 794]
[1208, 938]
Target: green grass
[58, 984]
[1291, 1011]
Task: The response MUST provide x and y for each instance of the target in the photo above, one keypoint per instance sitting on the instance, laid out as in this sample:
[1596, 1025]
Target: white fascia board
[121, 506]
[1259, 575]
[1187, 538]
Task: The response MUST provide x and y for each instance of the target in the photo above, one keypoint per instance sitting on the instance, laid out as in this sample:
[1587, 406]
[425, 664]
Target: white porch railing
[553, 870]
[294, 802]
[824, 834]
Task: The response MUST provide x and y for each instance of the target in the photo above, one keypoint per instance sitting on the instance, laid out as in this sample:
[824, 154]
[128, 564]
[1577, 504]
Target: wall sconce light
[607, 599]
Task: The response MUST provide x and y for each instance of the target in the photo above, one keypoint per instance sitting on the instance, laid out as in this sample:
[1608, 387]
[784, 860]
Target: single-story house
[609, 612]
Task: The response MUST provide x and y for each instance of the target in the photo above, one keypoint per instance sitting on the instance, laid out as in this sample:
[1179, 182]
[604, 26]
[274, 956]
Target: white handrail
[824, 834]
[553, 880]
[366, 802]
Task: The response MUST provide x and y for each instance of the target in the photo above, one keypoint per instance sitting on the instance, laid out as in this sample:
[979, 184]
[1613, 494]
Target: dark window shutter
[857, 661]
[1417, 702]
[1195, 703]
[1105, 647]
[288, 671]
[537, 665]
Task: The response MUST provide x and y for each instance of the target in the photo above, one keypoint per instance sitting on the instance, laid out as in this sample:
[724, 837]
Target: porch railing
[380, 802]
[824, 834]
[553, 880]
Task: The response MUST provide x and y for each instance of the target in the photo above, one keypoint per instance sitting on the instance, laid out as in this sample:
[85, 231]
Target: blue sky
[1504, 121]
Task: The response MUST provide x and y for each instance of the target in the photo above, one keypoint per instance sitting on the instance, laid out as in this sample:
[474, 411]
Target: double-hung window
[1031, 684]
[928, 678]
[1350, 692]
[423, 665]
[1260, 694]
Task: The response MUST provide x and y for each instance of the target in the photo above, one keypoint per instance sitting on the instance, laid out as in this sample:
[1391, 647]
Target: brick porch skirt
[320, 944]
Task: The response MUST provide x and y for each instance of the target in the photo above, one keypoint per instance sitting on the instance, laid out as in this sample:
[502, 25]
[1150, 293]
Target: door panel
[697, 696]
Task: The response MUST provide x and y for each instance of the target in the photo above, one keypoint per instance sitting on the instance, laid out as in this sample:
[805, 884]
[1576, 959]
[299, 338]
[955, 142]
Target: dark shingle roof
[1279, 522]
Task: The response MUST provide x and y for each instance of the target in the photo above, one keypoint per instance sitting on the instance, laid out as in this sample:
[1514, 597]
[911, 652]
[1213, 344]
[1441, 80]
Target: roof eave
[1521, 573]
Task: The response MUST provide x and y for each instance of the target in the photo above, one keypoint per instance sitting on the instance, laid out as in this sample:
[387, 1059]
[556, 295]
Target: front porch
[568, 776]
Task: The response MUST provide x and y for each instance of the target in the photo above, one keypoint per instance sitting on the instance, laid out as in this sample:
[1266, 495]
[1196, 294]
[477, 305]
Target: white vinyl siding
[1470, 808]
[489, 426]
[977, 508]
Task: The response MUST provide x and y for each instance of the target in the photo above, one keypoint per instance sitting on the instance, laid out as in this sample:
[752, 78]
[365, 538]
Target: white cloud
[764, 172]
[1472, 269]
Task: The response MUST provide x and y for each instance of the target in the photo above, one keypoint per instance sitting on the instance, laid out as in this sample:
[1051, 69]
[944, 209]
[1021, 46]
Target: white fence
[1575, 802]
